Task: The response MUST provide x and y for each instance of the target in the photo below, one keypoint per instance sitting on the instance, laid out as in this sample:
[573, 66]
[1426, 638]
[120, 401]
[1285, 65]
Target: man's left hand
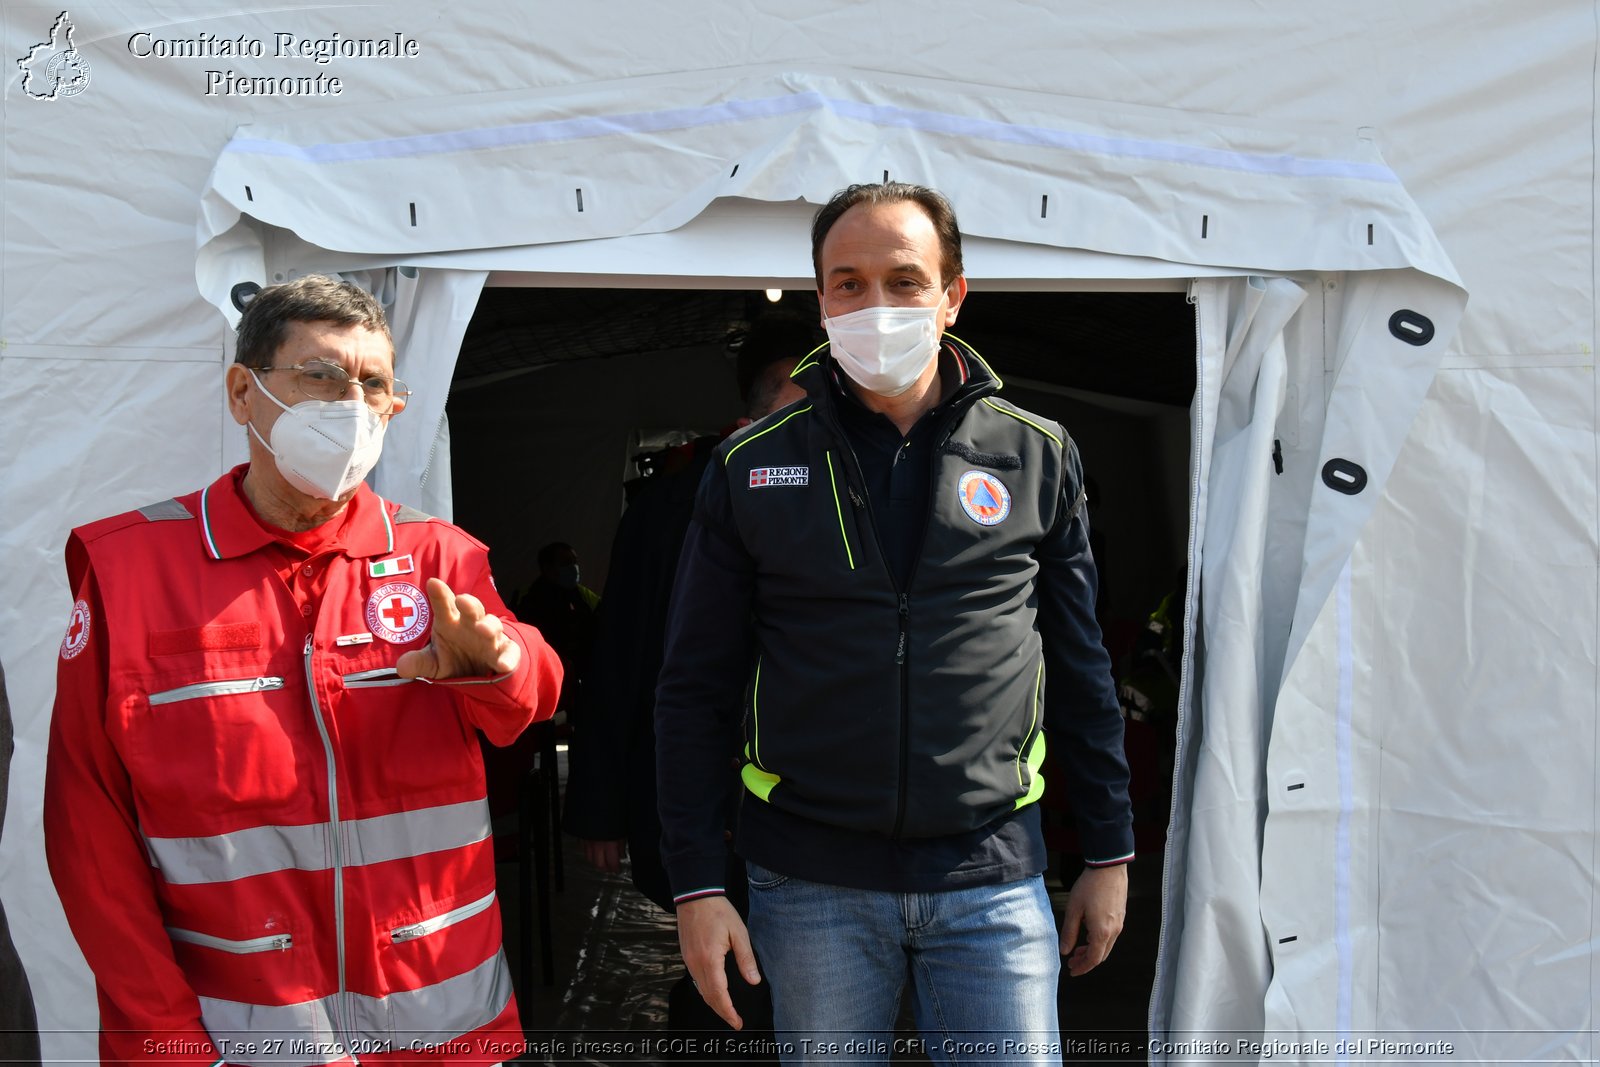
[1097, 904]
[467, 640]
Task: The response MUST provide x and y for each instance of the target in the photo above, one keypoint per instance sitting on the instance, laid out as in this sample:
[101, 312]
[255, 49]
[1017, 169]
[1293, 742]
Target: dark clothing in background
[567, 623]
[611, 789]
[19, 1028]
[611, 794]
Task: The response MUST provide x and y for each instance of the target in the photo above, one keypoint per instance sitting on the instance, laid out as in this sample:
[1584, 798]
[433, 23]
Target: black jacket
[909, 712]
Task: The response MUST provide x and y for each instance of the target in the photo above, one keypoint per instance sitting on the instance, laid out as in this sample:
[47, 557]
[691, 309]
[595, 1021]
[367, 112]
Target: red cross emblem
[77, 638]
[398, 612]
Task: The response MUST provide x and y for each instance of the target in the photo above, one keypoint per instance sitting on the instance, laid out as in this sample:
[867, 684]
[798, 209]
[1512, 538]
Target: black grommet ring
[1348, 478]
[1411, 327]
[242, 293]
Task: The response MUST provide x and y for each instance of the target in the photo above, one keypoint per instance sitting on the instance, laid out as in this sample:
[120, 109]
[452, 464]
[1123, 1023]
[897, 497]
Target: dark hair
[314, 298]
[938, 209]
[776, 335]
[551, 554]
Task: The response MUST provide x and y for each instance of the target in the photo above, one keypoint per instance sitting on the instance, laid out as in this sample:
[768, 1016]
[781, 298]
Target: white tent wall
[112, 362]
[1457, 835]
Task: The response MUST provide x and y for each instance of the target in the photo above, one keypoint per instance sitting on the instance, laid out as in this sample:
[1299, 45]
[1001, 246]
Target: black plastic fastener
[242, 293]
[1347, 477]
[1411, 327]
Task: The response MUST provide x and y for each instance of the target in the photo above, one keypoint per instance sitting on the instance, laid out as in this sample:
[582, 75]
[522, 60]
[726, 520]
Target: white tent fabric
[1219, 963]
[574, 163]
[428, 314]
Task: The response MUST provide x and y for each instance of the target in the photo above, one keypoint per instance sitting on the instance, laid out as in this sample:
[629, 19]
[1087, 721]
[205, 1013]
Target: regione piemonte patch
[984, 498]
[761, 477]
[397, 612]
[77, 638]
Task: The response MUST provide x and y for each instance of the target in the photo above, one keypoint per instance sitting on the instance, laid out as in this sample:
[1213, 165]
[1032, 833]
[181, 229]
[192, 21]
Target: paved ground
[615, 959]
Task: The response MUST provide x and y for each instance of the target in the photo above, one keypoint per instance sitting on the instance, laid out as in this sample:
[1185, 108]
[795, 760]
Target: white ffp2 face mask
[885, 349]
[324, 447]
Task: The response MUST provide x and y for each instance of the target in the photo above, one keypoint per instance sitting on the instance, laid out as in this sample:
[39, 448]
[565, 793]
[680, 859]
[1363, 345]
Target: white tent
[1384, 826]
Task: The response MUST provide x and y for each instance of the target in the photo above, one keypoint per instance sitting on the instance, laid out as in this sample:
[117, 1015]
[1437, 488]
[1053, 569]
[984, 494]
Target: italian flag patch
[383, 568]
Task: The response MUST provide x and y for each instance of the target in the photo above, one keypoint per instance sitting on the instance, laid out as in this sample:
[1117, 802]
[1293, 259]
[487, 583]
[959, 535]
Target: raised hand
[467, 640]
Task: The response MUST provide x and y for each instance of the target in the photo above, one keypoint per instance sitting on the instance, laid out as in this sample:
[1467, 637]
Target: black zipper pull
[854, 498]
[905, 627]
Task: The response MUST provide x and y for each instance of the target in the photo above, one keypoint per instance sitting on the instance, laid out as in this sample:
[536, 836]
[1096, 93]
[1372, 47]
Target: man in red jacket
[264, 806]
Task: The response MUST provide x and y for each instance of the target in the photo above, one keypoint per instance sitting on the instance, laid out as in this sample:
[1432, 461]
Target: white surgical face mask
[324, 447]
[885, 349]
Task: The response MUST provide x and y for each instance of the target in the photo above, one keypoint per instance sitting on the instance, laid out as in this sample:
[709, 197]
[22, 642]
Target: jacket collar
[228, 528]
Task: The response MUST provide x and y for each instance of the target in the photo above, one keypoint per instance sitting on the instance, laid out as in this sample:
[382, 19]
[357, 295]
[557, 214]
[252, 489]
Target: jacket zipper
[336, 841]
[428, 926]
[270, 943]
[382, 676]
[902, 595]
[230, 687]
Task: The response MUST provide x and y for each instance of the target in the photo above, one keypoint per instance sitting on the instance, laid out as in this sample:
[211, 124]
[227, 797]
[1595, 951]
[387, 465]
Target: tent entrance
[554, 386]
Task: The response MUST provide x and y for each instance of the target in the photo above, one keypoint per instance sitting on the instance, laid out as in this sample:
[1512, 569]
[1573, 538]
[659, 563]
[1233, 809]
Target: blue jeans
[983, 962]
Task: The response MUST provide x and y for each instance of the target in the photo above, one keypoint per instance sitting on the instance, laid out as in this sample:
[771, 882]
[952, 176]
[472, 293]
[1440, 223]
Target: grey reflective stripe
[264, 849]
[270, 943]
[226, 687]
[441, 921]
[442, 1011]
[167, 509]
[301, 1035]
[416, 833]
[408, 513]
[282, 1035]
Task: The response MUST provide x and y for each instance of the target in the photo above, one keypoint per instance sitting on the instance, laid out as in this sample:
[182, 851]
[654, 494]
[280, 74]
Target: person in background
[611, 796]
[264, 803]
[562, 608]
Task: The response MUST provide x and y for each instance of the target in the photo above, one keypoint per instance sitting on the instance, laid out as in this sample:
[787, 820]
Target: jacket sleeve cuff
[503, 705]
[1106, 846]
[1113, 861]
[697, 876]
[700, 894]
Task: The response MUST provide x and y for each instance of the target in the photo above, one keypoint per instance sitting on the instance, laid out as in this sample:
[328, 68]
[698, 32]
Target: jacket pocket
[412, 931]
[374, 679]
[762, 879]
[245, 947]
[838, 508]
[222, 688]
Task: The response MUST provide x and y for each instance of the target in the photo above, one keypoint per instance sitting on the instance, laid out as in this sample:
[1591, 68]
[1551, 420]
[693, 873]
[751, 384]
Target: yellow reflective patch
[758, 781]
[1035, 760]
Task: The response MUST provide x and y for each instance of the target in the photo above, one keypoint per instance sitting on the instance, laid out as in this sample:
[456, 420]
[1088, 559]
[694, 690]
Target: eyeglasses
[329, 381]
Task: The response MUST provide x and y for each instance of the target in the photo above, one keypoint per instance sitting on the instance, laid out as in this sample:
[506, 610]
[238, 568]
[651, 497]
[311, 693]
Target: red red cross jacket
[271, 848]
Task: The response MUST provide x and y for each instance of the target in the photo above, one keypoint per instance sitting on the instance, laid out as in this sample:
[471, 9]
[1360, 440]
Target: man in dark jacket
[880, 581]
